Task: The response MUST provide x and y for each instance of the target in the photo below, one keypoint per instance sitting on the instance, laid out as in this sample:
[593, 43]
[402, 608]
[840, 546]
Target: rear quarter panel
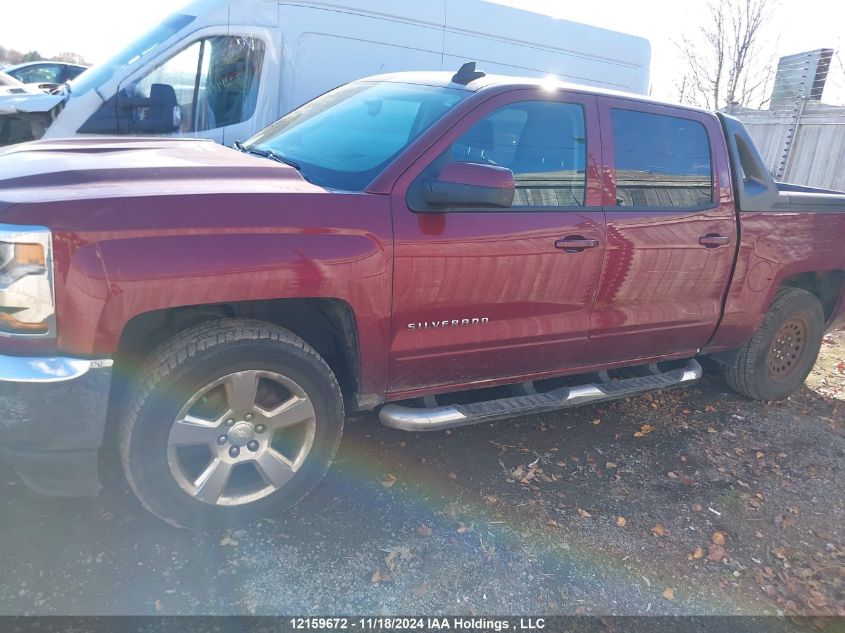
[774, 247]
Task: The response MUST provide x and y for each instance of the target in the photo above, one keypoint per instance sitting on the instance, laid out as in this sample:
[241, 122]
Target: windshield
[345, 138]
[97, 76]
[7, 80]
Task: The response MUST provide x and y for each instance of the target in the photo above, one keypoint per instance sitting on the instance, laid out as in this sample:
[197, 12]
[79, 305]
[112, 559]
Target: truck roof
[507, 82]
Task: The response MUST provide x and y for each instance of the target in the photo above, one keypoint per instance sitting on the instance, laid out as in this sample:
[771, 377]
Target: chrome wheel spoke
[212, 482]
[295, 411]
[193, 431]
[240, 391]
[242, 434]
[274, 468]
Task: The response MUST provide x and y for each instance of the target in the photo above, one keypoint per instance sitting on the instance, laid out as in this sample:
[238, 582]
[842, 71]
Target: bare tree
[723, 58]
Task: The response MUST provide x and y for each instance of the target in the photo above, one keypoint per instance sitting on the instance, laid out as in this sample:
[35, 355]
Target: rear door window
[661, 161]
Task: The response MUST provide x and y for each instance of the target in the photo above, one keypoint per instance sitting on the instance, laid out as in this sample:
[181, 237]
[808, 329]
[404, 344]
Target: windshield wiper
[267, 153]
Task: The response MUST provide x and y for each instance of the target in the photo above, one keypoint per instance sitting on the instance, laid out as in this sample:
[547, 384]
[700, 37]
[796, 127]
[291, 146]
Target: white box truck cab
[225, 69]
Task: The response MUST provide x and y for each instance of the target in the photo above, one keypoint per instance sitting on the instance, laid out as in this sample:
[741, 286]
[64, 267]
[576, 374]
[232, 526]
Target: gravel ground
[692, 501]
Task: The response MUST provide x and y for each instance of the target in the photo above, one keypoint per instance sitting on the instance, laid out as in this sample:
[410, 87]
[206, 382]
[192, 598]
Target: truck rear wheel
[231, 421]
[779, 357]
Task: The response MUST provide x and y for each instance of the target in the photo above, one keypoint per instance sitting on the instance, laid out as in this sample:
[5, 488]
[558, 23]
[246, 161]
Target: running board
[449, 417]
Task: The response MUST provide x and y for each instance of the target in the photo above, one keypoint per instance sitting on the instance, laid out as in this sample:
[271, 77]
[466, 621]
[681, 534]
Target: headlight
[27, 305]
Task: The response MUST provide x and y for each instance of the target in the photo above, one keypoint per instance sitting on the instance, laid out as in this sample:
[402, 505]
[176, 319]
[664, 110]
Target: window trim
[201, 36]
[522, 210]
[607, 106]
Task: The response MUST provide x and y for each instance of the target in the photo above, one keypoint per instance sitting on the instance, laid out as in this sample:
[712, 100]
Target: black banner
[471, 624]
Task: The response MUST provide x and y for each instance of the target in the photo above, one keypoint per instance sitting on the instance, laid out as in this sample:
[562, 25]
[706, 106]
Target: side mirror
[470, 185]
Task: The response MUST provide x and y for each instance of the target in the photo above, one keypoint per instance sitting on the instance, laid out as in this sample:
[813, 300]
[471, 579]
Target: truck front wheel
[779, 357]
[230, 422]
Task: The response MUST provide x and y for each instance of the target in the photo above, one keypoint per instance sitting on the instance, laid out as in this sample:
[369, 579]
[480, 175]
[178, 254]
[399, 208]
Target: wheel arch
[327, 325]
[826, 286]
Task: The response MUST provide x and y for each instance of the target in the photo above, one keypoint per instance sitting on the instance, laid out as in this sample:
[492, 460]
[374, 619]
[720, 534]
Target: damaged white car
[26, 111]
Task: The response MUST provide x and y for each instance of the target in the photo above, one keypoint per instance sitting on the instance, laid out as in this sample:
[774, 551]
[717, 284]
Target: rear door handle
[576, 244]
[712, 240]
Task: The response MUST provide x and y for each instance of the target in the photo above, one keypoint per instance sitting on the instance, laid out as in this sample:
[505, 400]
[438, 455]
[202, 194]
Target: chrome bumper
[52, 420]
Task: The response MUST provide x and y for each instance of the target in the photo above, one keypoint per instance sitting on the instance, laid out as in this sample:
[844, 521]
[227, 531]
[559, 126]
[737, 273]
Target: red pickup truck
[452, 249]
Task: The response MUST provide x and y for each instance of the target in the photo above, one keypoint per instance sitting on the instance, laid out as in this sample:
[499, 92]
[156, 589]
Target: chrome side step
[449, 417]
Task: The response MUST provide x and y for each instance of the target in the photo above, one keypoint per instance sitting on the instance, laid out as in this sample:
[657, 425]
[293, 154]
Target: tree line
[10, 56]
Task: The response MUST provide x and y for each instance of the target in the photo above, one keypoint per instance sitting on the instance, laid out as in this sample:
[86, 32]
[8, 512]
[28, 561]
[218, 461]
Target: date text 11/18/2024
[418, 624]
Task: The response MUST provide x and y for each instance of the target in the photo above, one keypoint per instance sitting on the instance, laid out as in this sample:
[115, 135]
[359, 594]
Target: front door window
[211, 84]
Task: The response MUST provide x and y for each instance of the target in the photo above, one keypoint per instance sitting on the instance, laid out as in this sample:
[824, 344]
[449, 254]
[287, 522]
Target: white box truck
[225, 69]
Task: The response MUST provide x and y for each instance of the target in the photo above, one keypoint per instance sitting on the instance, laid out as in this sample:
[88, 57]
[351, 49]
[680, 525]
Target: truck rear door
[671, 231]
[486, 294]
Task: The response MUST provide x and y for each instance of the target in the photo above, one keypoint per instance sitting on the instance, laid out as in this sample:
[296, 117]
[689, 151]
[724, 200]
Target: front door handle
[576, 244]
[713, 240]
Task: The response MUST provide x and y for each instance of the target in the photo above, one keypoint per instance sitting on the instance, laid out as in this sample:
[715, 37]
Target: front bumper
[52, 421]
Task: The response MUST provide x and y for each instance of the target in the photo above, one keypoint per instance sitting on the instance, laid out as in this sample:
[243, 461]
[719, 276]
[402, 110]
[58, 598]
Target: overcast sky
[96, 28]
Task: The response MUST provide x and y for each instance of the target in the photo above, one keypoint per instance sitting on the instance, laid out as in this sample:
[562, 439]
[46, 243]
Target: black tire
[761, 372]
[193, 359]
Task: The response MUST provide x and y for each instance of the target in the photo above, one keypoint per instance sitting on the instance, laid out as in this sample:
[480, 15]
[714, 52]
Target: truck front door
[671, 232]
[482, 295]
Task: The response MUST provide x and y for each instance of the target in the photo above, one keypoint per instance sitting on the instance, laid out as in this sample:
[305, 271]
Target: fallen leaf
[697, 507]
[620, 521]
[610, 465]
[669, 593]
[671, 475]
[394, 555]
[421, 590]
[716, 553]
[425, 531]
[698, 554]
[710, 409]
[718, 538]
[379, 576]
[389, 481]
[658, 530]
[596, 422]
[584, 513]
[646, 429]
[824, 535]
[462, 529]
[711, 430]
